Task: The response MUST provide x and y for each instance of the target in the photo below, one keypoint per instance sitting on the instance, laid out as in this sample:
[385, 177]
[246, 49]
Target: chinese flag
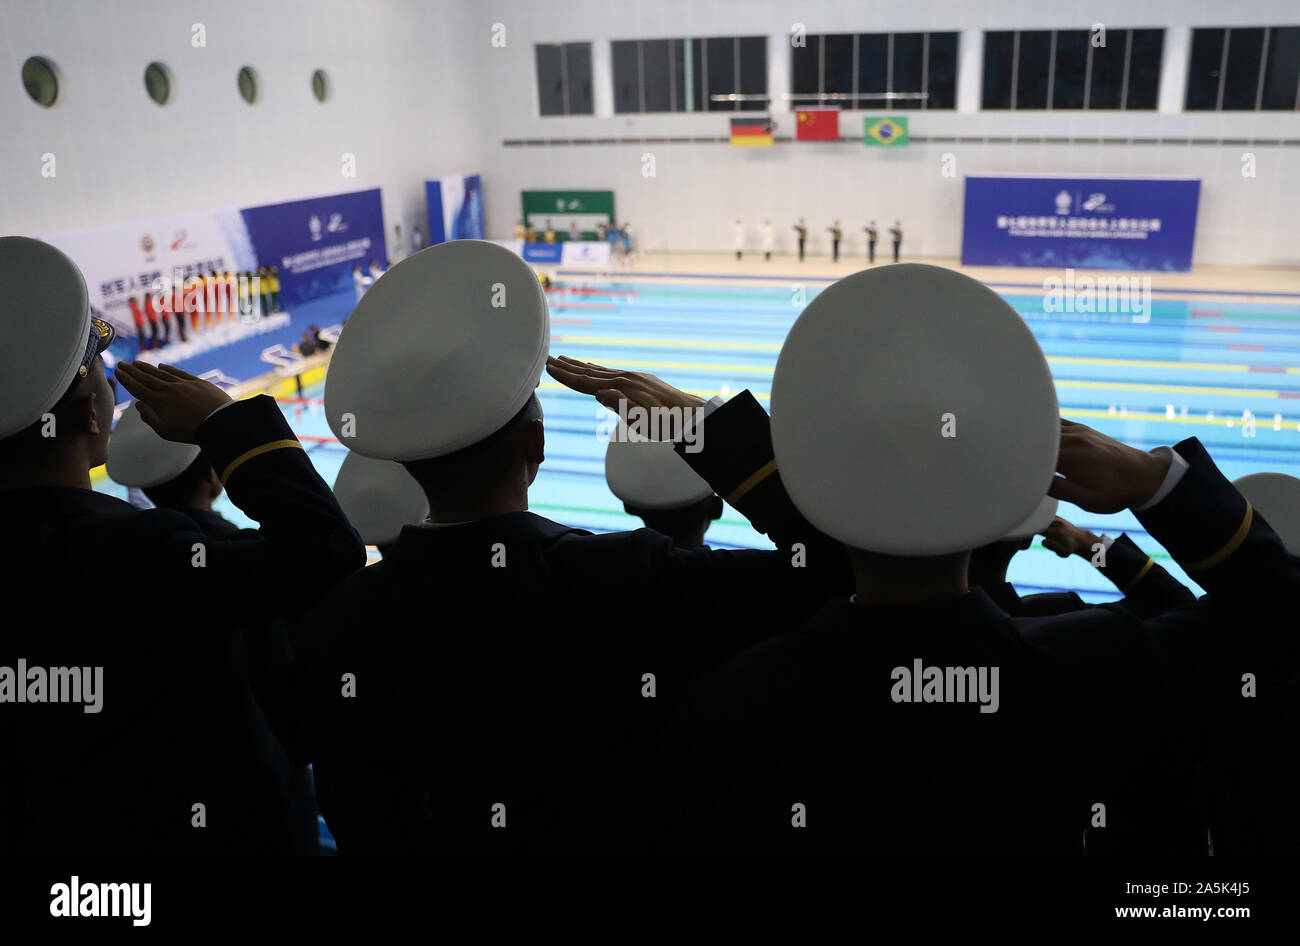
[817, 124]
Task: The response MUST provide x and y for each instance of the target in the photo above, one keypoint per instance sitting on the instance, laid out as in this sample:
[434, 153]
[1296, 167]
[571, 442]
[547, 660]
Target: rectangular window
[837, 69]
[1033, 69]
[873, 71]
[908, 73]
[1282, 70]
[1070, 69]
[682, 75]
[1241, 83]
[941, 71]
[1146, 48]
[563, 78]
[999, 68]
[1244, 69]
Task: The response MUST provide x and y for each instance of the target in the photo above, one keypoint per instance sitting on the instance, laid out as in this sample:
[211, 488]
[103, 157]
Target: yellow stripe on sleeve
[257, 451]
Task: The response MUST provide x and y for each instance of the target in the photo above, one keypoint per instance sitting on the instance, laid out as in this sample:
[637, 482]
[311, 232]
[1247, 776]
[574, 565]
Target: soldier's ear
[715, 508]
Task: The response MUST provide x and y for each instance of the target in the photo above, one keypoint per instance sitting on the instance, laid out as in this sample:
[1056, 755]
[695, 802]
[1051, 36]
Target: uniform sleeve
[304, 540]
[738, 461]
[1212, 531]
[1148, 589]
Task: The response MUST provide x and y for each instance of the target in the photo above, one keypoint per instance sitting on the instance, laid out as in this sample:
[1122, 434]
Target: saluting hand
[1066, 539]
[1101, 474]
[171, 401]
[610, 386]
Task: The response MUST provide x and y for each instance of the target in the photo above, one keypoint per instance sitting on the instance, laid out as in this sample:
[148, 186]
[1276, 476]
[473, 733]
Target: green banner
[566, 208]
[885, 130]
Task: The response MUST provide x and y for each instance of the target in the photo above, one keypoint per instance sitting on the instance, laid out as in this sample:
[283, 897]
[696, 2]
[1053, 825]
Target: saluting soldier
[660, 488]
[1252, 782]
[176, 759]
[801, 231]
[1149, 589]
[896, 231]
[922, 692]
[836, 234]
[871, 241]
[506, 720]
[179, 477]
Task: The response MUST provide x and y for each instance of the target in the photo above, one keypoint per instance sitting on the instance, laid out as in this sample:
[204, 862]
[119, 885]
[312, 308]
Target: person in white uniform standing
[739, 230]
[769, 239]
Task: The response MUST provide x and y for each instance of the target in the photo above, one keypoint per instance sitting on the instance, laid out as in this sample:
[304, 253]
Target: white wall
[419, 91]
[699, 189]
[120, 157]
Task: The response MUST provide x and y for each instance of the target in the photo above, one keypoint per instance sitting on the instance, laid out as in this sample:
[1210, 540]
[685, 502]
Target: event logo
[178, 240]
[146, 243]
[1063, 202]
[1097, 202]
[335, 225]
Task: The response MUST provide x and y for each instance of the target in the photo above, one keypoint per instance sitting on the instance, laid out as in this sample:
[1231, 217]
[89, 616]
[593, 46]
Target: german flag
[753, 132]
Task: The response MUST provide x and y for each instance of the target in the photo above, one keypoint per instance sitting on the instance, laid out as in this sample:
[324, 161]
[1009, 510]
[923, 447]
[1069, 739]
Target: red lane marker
[1224, 328]
[301, 400]
[1240, 347]
[1295, 394]
[595, 292]
[570, 321]
[310, 439]
[1273, 369]
[1207, 314]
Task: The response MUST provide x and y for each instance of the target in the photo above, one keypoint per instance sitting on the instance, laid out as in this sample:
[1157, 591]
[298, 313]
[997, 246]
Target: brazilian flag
[886, 131]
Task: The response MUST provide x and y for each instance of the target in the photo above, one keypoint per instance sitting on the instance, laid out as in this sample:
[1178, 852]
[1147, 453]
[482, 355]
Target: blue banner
[1088, 223]
[317, 242]
[543, 252]
[455, 207]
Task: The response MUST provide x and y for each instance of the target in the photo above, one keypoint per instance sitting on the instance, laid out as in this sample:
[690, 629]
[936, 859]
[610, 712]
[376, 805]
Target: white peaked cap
[47, 329]
[378, 497]
[139, 457]
[439, 354]
[875, 371]
[1276, 497]
[648, 474]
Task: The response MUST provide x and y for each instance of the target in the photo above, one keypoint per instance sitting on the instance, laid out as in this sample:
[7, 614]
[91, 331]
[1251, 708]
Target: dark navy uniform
[523, 685]
[1096, 707]
[897, 234]
[871, 244]
[802, 231]
[179, 724]
[1148, 589]
[272, 673]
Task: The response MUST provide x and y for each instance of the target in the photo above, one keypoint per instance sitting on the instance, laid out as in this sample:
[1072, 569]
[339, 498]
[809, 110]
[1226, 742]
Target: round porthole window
[158, 83]
[41, 80]
[248, 89]
[320, 85]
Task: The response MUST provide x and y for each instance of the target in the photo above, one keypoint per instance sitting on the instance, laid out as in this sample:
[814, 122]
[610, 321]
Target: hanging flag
[817, 124]
[753, 132]
[886, 131]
